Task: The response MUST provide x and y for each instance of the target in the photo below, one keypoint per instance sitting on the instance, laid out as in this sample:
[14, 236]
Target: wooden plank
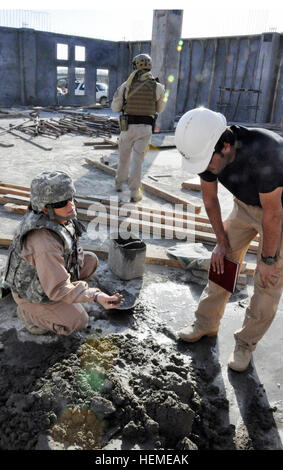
[148, 187]
[101, 166]
[193, 184]
[15, 186]
[184, 215]
[29, 141]
[169, 197]
[155, 217]
[11, 198]
[175, 230]
[159, 213]
[169, 232]
[250, 269]
[15, 208]
[5, 240]
[17, 192]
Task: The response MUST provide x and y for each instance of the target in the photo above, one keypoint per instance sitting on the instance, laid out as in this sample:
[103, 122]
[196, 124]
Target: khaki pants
[60, 317]
[133, 142]
[242, 225]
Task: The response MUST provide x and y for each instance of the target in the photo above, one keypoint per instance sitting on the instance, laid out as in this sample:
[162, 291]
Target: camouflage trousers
[60, 317]
[133, 145]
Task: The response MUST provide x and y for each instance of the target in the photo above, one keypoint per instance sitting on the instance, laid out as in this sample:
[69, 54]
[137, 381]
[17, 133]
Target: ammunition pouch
[123, 122]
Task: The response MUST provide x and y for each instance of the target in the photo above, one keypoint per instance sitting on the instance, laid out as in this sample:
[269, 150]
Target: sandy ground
[126, 382]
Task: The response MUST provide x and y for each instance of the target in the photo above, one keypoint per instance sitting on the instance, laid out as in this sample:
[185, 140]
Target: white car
[101, 91]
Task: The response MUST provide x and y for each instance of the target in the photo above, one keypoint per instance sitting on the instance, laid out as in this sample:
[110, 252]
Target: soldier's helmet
[142, 61]
[50, 187]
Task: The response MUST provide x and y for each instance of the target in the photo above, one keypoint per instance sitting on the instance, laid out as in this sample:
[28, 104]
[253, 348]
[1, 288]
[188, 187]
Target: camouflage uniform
[140, 99]
[22, 276]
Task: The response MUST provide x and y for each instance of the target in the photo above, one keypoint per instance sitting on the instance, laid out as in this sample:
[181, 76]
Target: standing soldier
[140, 99]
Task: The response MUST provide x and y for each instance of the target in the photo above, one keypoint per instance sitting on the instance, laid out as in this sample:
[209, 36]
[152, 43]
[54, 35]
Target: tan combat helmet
[50, 187]
[142, 62]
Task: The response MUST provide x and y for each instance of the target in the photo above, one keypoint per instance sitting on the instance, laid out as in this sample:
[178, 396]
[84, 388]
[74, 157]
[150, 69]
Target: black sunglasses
[60, 204]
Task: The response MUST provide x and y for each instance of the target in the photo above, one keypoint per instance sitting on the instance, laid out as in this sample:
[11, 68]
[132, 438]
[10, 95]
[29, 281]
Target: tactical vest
[141, 100]
[19, 275]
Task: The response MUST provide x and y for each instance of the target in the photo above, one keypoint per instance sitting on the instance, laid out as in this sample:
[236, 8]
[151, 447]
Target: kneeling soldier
[47, 270]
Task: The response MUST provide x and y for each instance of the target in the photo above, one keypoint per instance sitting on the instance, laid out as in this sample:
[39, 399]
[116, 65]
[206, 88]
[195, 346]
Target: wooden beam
[148, 187]
[168, 231]
[193, 184]
[17, 192]
[84, 201]
[15, 208]
[104, 200]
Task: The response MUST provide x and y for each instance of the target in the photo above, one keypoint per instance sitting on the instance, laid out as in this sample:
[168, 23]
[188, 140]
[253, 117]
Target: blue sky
[133, 20]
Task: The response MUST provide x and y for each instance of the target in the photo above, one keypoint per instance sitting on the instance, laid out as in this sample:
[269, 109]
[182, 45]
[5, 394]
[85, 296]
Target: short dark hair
[227, 136]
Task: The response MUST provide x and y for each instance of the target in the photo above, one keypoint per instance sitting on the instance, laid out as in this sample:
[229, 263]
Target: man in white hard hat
[140, 99]
[249, 163]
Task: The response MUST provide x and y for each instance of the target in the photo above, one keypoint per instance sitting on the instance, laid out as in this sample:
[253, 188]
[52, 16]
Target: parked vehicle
[61, 91]
[101, 91]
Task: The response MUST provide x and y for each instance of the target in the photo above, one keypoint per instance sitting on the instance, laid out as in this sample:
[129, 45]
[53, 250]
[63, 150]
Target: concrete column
[71, 71]
[166, 32]
[90, 82]
[28, 66]
[266, 74]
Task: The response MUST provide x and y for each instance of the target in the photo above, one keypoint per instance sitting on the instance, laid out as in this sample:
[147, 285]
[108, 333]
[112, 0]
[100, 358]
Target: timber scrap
[72, 122]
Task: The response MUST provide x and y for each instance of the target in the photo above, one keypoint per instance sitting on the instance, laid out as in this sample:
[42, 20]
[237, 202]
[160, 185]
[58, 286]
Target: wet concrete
[127, 376]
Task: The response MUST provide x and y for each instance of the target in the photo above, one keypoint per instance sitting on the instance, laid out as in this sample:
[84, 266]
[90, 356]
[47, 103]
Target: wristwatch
[269, 259]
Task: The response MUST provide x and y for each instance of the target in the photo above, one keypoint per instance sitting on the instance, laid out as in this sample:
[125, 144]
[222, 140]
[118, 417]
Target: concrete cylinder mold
[127, 257]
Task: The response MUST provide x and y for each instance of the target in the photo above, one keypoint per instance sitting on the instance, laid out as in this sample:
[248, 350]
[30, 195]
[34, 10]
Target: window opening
[62, 51]
[102, 85]
[62, 80]
[79, 81]
[80, 53]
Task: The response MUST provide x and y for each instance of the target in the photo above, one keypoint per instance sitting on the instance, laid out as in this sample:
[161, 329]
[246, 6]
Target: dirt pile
[123, 383]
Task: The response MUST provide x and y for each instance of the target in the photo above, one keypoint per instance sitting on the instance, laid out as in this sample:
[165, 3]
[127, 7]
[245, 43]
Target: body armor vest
[19, 275]
[141, 100]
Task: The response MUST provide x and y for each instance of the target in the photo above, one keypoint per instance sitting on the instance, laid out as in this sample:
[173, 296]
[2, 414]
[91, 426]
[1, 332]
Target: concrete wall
[238, 76]
[28, 67]
[211, 71]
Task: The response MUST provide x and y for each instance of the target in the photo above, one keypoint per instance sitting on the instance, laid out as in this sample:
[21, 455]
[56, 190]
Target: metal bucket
[126, 257]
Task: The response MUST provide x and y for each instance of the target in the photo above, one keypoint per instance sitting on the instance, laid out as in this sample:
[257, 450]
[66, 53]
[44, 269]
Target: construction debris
[72, 122]
[26, 140]
[152, 189]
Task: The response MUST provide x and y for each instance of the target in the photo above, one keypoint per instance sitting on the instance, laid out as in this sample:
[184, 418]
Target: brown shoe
[240, 358]
[193, 333]
[33, 329]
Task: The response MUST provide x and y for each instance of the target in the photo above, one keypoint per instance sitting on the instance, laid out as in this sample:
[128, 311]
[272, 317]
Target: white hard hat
[196, 135]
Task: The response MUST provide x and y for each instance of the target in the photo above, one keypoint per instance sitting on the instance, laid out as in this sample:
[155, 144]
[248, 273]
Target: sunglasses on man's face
[61, 204]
